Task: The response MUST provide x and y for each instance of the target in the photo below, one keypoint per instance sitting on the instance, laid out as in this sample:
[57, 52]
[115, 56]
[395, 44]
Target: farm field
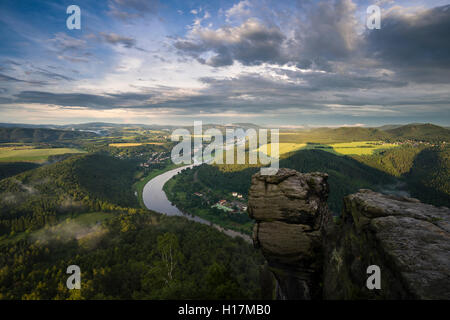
[284, 147]
[345, 148]
[133, 144]
[360, 147]
[30, 154]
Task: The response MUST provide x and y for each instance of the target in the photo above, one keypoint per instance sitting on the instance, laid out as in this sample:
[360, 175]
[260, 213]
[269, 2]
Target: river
[155, 199]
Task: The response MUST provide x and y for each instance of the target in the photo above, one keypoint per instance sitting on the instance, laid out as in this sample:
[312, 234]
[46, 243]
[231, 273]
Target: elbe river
[155, 199]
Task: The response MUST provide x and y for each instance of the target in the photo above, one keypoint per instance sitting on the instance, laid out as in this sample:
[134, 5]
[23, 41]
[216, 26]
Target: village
[416, 143]
[237, 204]
[156, 157]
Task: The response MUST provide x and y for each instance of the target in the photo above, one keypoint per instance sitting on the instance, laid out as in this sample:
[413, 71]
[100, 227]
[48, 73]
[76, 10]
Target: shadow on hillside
[346, 175]
[428, 178]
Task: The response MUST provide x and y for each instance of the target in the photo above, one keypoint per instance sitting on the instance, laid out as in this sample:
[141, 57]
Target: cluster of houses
[156, 157]
[227, 205]
[231, 206]
[416, 143]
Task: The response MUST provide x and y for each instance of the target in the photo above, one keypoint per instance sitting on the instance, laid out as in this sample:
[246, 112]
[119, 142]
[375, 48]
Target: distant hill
[426, 132]
[358, 133]
[36, 135]
[334, 135]
[389, 127]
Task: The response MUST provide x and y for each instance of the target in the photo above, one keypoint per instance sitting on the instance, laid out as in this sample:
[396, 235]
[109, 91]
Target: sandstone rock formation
[408, 240]
[290, 209]
[312, 257]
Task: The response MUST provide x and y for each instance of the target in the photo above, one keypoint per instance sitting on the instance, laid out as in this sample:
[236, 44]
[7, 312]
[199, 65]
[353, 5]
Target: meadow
[133, 144]
[345, 148]
[31, 154]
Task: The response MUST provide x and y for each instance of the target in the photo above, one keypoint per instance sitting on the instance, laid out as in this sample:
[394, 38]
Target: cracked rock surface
[290, 210]
[312, 257]
[409, 240]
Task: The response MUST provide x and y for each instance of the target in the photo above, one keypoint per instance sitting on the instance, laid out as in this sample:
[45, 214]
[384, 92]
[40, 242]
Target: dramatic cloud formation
[292, 61]
[414, 44]
[250, 43]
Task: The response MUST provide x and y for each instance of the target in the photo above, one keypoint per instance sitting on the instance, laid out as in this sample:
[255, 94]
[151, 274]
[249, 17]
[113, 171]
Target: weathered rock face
[290, 209]
[313, 258]
[408, 240]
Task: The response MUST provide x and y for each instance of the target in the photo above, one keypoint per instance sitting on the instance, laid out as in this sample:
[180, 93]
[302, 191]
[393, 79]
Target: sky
[276, 63]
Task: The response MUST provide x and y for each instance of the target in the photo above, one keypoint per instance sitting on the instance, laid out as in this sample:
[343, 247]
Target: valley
[89, 201]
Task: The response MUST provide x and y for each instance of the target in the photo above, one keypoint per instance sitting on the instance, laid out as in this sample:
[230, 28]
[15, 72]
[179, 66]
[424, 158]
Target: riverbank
[154, 198]
[183, 191]
[138, 187]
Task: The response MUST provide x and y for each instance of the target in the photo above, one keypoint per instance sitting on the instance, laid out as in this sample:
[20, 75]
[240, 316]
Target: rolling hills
[37, 135]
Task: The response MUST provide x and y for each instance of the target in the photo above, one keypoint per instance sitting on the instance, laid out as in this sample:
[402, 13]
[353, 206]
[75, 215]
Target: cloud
[326, 33]
[239, 10]
[93, 101]
[414, 44]
[251, 43]
[8, 79]
[132, 9]
[69, 48]
[61, 41]
[315, 36]
[116, 39]
[51, 75]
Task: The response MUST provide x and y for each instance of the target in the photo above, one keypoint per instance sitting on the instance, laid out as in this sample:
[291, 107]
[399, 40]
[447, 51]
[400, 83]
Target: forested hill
[36, 135]
[346, 175]
[416, 132]
[429, 177]
[83, 183]
[420, 132]
[72, 213]
[357, 134]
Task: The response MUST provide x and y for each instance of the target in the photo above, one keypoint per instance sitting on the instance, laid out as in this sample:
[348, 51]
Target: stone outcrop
[407, 239]
[313, 257]
[290, 209]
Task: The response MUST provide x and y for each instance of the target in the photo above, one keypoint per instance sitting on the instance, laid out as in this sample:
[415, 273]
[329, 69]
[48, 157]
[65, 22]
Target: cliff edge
[314, 257]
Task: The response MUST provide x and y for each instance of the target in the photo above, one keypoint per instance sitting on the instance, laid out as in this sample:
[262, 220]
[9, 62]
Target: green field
[29, 154]
[361, 147]
[283, 147]
[346, 148]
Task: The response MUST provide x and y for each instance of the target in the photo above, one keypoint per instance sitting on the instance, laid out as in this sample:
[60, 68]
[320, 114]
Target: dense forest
[8, 169]
[425, 170]
[346, 175]
[122, 250]
[95, 182]
[134, 256]
[429, 177]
